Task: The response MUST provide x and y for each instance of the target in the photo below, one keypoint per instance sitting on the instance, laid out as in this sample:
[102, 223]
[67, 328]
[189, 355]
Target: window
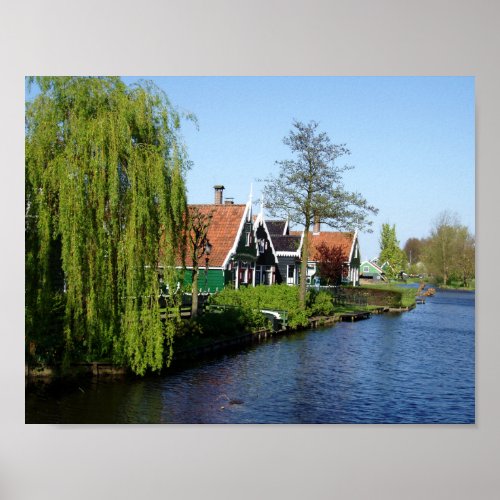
[366, 269]
[257, 275]
[261, 246]
[291, 271]
[248, 233]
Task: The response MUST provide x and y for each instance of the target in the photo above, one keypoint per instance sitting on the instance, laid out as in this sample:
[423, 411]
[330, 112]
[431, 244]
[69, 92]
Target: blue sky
[412, 140]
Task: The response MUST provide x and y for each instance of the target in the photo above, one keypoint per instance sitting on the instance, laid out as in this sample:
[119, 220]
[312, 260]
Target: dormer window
[248, 233]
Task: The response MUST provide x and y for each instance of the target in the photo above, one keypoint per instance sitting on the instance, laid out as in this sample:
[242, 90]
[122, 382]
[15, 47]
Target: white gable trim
[261, 221]
[370, 263]
[283, 253]
[246, 217]
[353, 246]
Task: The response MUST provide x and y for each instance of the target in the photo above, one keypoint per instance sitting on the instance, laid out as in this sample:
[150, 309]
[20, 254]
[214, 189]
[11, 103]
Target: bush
[226, 323]
[231, 321]
[275, 297]
[320, 303]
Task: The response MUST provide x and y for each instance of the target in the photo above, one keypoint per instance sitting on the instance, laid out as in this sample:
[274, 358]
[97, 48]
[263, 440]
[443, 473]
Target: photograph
[250, 250]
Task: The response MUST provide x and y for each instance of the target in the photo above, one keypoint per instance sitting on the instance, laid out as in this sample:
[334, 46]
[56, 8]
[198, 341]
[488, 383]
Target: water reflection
[416, 367]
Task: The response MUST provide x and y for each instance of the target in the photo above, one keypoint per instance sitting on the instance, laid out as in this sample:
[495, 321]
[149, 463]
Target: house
[371, 271]
[240, 250]
[287, 249]
[349, 243]
[247, 250]
[266, 271]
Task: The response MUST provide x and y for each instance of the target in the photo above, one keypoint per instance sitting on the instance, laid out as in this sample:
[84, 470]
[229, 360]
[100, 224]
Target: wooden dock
[355, 316]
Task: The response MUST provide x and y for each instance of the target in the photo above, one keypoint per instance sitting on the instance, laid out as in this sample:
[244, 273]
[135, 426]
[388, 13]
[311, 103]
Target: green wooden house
[233, 246]
[371, 271]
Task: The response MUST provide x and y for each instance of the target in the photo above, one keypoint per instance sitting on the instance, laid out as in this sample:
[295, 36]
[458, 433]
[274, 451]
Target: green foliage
[449, 253]
[275, 297]
[232, 321]
[105, 201]
[390, 251]
[401, 296]
[320, 303]
[218, 325]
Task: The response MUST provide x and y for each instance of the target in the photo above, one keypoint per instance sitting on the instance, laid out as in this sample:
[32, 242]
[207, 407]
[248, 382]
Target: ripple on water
[416, 367]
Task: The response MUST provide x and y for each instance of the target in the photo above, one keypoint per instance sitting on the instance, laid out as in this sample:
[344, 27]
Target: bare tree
[198, 225]
[311, 186]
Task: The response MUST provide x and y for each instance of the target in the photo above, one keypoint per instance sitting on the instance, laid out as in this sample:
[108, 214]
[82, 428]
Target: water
[414, 367]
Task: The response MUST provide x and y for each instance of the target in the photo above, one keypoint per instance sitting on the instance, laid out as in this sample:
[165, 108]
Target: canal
[413, 367]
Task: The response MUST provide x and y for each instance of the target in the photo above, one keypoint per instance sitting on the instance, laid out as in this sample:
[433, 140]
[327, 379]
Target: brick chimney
[317, 225]
[219, 188]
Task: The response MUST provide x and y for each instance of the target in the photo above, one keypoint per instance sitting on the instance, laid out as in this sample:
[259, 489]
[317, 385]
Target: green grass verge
[404, 297]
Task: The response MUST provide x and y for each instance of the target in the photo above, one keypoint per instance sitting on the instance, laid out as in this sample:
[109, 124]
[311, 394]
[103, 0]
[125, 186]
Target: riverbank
[396, 368]
[205, 347]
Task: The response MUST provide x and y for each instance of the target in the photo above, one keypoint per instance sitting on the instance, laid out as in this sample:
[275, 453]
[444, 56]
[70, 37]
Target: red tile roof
[226, 220]
[344, 240]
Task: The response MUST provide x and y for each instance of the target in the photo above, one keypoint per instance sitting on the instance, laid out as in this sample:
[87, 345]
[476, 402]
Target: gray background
[272, 37]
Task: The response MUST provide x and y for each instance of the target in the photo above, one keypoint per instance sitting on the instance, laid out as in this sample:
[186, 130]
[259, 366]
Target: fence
[341, 298]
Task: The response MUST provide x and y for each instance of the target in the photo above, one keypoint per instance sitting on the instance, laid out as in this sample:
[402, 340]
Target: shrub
[275, 297]
[320, 303]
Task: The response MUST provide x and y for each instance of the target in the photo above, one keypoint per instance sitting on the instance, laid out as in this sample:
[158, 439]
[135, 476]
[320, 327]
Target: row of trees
[448, 253]
[106, 209]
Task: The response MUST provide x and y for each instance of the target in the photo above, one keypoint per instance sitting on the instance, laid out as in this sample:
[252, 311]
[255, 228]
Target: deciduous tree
[105, 203]
[466, 254]
[331, 261]
[310, 185]
[197, 229]
[413, 250]
[450, 249]
[390, 251]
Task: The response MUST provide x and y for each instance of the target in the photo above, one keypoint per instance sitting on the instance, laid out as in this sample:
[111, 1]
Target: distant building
[370, 271]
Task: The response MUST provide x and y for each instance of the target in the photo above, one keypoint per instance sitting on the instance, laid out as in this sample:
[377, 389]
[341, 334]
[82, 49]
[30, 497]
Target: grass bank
[389, 295]
[240, 314]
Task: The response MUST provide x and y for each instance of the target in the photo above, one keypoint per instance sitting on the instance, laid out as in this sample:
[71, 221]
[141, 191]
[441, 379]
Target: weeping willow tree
[105, 204]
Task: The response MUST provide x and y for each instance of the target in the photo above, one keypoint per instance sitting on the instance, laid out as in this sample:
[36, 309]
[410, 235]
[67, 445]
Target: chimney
[317, 225]
[219, 188]
[229, 201]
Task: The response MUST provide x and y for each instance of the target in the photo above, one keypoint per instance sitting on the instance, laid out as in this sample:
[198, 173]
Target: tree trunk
[303, 268]
[194, 293]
